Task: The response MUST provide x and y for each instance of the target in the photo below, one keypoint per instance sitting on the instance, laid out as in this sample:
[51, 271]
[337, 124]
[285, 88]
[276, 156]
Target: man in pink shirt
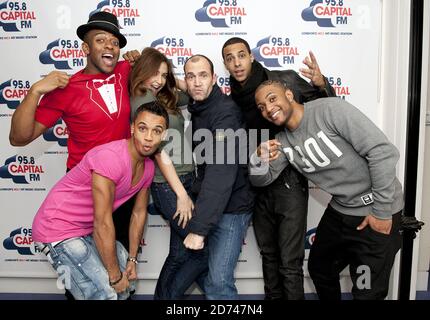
[74, 225]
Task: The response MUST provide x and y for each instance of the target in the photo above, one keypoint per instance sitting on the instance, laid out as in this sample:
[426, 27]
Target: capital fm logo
[341, 88]
[57, 133]
[275, 52]
[15, 16]
[22, 169]
[64, 54]
[13, 91]
[310, 238]
[20, 240]
[224, 84]
[221, 13]
[175, 49]
[327, 13]
[125, 11]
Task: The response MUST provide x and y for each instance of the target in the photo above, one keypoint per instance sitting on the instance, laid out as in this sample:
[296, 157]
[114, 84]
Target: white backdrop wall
[37, 37]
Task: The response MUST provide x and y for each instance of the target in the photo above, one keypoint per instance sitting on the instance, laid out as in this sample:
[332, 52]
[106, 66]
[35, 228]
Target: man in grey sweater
[340, 150]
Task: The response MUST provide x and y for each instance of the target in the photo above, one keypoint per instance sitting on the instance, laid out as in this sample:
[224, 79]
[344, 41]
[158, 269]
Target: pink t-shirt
[95, 108]
[67, 211]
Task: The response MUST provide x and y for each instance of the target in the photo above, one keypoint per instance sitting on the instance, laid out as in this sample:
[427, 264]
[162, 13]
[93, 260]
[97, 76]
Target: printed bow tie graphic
[98, 83]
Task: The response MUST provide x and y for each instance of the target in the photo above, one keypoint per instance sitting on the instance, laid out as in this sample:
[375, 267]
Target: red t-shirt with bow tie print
[95, 108]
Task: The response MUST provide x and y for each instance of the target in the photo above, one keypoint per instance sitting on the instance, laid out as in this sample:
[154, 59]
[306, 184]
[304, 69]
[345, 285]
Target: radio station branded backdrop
[37, 37]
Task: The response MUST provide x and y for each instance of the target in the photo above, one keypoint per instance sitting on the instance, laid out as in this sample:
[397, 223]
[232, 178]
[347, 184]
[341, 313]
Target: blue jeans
[77, 261]
[182, 266]
[224, 245]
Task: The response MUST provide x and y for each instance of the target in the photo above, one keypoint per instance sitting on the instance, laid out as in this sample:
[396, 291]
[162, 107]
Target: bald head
[199, 76]
[197, 58]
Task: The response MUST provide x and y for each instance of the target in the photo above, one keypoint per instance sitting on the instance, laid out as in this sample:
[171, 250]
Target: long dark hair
[145, 67]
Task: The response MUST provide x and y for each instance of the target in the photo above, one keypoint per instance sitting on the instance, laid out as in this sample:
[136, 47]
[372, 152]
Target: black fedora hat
[105, 21]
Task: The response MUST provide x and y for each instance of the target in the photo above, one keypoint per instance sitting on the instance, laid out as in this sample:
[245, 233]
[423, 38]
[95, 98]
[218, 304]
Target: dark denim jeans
[280, 227]
[182, 266]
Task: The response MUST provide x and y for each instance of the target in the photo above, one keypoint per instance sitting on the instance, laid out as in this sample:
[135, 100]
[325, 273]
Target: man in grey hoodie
[340, 150]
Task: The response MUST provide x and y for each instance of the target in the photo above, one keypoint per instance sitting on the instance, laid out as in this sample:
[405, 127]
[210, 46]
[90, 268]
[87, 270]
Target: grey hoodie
[340, 150]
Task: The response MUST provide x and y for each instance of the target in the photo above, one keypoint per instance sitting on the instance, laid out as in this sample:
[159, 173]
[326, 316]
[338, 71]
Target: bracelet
[132, 259]
[112, 283]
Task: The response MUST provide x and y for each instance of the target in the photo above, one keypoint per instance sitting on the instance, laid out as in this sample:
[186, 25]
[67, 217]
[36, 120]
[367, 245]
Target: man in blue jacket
[224, 198]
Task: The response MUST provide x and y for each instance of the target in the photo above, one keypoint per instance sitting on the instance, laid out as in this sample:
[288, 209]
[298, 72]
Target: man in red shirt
[93, 103]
